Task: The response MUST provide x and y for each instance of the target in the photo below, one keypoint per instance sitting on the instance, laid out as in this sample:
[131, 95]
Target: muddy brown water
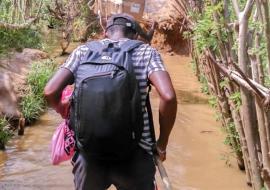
[196, 159]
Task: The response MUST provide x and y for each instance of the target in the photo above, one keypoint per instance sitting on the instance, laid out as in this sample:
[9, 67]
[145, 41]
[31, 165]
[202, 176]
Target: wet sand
[196, 154]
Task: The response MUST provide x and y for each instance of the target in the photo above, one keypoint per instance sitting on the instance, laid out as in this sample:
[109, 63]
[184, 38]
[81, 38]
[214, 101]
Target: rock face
[13, 70]
[8, 100]
[168, 37]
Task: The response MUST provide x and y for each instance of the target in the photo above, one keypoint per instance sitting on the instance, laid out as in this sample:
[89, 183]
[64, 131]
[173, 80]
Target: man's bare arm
[54, 88]
[167, 107]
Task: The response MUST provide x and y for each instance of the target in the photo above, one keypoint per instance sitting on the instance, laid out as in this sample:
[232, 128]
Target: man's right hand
[167, 108]
[161, 151]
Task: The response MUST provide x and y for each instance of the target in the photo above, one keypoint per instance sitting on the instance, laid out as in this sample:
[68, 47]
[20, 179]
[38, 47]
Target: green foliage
[236, 98]
[205, 31]
[19, 39]
[5, 133]
[204, 87]
[55, 23]
[32, 106]
[267, 80]
[232, 135]
[33, 103]
[193, 65]
[224, 83]
[39, 75]
[5, 9]
[242, 4]
[187, 35]
[213, 101]
[218, 116]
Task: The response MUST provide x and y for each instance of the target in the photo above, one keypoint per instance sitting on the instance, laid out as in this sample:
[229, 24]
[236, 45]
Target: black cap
[122, 19]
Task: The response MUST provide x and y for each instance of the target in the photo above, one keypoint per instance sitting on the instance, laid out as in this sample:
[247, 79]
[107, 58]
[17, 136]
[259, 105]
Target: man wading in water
[109, 111]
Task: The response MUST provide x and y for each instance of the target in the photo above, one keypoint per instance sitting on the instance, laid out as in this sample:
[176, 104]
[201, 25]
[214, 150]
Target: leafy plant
[5, 133]
[193, 65]
[32, 106]
[204, 87]
[205, 31]
[33, 103]
[39, 74]
[232, 139]
[19, 39]
[213, 101]
[224, 83]
[236, 98]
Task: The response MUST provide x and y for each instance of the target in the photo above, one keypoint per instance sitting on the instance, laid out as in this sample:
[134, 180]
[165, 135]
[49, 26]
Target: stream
[197, 158]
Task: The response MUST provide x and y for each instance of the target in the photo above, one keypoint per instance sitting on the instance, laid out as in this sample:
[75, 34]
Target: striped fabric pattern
[146, 60]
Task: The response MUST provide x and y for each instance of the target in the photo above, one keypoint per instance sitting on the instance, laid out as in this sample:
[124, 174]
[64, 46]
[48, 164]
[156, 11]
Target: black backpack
[106, 111]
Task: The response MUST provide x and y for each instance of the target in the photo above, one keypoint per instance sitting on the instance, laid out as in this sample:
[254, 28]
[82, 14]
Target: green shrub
[32, 106]
[5, 133]
[33, 103]
[19, 39]
[205, 31]
[39, 75]
[204, 84]
[232, 137]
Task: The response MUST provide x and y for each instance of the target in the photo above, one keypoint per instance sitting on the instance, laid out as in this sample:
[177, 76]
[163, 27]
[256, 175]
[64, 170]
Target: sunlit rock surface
[13, 70]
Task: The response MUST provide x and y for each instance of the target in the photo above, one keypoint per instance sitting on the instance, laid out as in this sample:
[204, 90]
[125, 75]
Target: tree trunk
[28, 9]
[239, 127]
[219, 35]
[267, 29]
[14, 11]
[246, 108]
[259, 60]
[261, 119]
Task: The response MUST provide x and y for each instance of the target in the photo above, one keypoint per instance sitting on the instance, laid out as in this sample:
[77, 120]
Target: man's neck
[117, 36]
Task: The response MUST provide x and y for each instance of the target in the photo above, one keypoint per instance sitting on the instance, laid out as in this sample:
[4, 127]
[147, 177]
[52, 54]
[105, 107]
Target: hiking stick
[163, 173]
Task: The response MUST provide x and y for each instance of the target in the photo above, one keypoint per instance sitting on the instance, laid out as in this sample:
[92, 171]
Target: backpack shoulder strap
[125, 49]
[96, 46]
[94, 50]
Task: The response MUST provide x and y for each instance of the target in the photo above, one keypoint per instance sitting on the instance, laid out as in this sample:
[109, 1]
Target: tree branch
[24, 25]
[248, 8]
[256, 88]
[259, 10]
[236, 8]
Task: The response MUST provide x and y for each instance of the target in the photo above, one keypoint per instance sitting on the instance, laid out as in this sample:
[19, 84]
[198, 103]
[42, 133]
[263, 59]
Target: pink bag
[67, 92]
[63, 144]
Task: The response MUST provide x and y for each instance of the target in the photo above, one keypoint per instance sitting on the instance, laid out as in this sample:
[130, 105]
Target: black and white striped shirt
[146, 60]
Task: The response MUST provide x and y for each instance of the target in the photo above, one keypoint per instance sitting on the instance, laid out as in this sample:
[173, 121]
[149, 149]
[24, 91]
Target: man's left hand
[63, 108]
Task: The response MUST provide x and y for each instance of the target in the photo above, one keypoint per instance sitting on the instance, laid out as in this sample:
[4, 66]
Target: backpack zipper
[103, 74]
